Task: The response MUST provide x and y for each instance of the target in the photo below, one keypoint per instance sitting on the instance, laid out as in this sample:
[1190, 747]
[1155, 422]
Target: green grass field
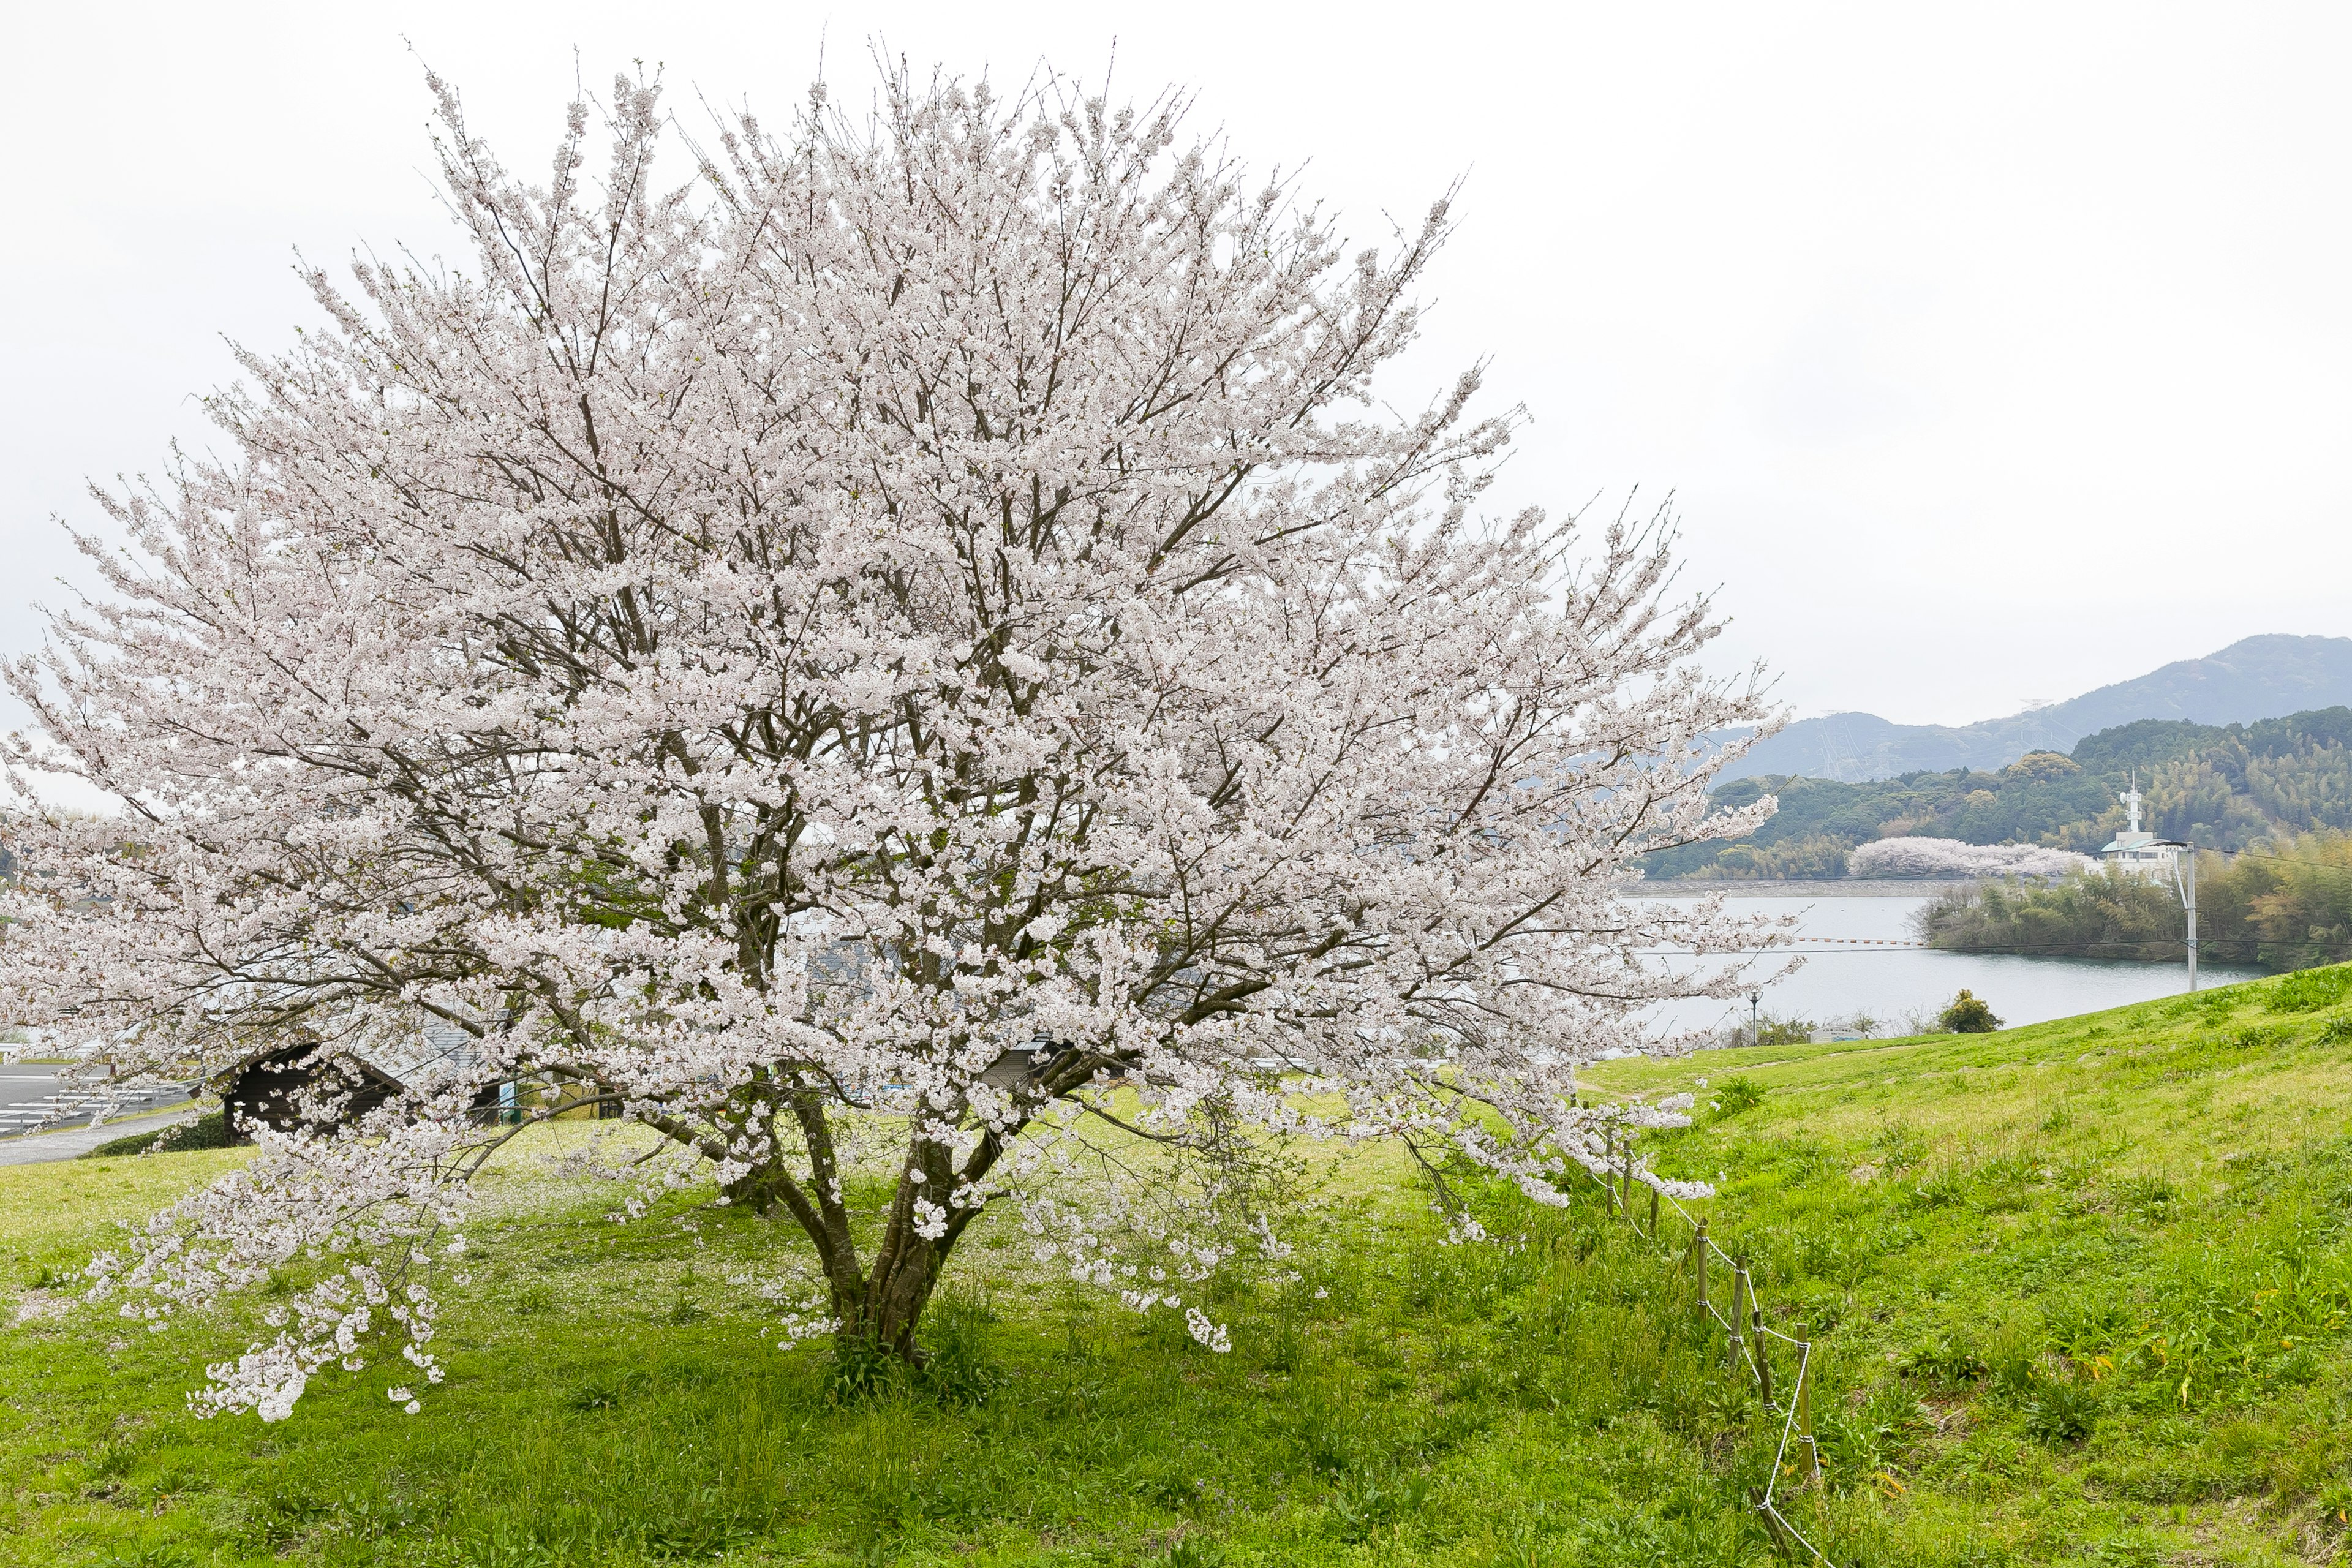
[2082, 1291]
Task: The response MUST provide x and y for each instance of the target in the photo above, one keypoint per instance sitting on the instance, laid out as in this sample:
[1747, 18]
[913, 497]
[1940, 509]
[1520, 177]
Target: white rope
[1739, 1336]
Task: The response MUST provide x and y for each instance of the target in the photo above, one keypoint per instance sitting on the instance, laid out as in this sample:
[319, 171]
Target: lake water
[1888, 983]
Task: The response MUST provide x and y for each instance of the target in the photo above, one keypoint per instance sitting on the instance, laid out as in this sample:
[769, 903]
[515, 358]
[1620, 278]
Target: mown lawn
[2082, 1291]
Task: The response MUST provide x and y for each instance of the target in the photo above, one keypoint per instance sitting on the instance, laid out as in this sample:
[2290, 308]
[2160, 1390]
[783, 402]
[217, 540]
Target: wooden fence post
[1608, 1159]
[1763, 1362]
[1772, 1524]
[1738, 1307]
[1653, 1214]
[1698, 1251]
[1805, 1408]
[1804, 1387]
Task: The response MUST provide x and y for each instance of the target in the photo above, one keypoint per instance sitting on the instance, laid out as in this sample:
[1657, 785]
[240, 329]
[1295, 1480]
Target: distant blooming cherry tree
[914, 665]
[1952, 857]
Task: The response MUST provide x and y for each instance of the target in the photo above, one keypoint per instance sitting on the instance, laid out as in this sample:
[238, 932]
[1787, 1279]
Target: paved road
[36, 1100]
[73, 1142]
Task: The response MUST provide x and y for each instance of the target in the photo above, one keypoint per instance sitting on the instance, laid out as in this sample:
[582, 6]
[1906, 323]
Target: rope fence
[1797, 1454]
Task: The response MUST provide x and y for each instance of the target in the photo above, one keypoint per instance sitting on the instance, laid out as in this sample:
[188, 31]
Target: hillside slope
[2087, 1284]
[2081, 1293]
[2256, 677]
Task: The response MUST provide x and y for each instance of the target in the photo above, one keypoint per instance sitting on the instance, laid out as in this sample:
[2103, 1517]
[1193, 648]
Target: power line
[2071, 950]
[2280, 859]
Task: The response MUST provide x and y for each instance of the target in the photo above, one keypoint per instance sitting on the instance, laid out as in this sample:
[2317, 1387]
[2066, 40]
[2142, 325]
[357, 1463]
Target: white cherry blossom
[919, 649]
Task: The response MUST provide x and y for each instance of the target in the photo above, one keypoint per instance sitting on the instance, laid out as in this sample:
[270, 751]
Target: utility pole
[2188, 863]
[2184, 882]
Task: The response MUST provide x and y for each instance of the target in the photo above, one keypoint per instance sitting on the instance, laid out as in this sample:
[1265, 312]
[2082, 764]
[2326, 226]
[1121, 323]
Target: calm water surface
[1888, 983]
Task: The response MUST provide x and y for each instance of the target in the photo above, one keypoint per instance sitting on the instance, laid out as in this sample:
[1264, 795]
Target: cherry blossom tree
[913, 660]
[1904, 857]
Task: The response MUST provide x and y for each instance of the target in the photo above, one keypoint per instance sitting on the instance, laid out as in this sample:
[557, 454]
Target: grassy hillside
[2082, 1288]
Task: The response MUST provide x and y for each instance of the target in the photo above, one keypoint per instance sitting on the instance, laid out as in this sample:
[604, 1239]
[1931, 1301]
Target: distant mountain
[2220, 786]
[2260, 678]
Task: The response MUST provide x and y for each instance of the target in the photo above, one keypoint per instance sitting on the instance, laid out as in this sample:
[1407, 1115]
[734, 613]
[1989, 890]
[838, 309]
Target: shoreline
[1842, 888]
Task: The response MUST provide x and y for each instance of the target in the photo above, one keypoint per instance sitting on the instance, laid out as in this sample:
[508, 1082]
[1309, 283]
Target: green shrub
[1967, 1014]
[210, 1131]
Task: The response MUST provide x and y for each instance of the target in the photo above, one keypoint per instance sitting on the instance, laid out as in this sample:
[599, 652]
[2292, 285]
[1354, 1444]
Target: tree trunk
[880, 1305]
[888, 1309]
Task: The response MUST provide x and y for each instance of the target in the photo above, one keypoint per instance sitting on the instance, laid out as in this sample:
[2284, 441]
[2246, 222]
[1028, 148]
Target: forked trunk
[878, 1304]
[886, 1310]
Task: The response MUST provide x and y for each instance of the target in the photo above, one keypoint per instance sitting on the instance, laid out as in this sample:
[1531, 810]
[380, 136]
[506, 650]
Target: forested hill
[2221, 786]
[2252, 678]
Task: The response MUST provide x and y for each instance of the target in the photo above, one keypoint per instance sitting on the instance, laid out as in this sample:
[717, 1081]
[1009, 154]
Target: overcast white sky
[1992, 352]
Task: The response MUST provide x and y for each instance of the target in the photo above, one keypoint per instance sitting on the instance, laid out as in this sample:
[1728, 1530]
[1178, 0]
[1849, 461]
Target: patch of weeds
[375, 1518]
[607, 1393]
[2150, 1196]
[1286, 1349]
[1900, 1147]
[2012, 1366]
[1737, 1094]
[1328, 1436]
[957, 1368]
[285, 1516]
[863, 1371]
[2133, 1551]
[1193, 1552]
[2309, 990]
[1951, 1360]
[2060, 1412]
[1948, 1188]
[684, 1308]
[2337, 1030]
[1865, 1444]
[2085, 1325]
[1361, 1504]
[702, 1538]
[2212, 1004]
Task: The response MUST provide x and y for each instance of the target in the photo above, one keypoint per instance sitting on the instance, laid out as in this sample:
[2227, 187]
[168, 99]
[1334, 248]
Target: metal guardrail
[22, 1118]
[1745, 1334]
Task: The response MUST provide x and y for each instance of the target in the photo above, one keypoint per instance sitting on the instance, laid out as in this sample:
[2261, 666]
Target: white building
[2140, 854]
